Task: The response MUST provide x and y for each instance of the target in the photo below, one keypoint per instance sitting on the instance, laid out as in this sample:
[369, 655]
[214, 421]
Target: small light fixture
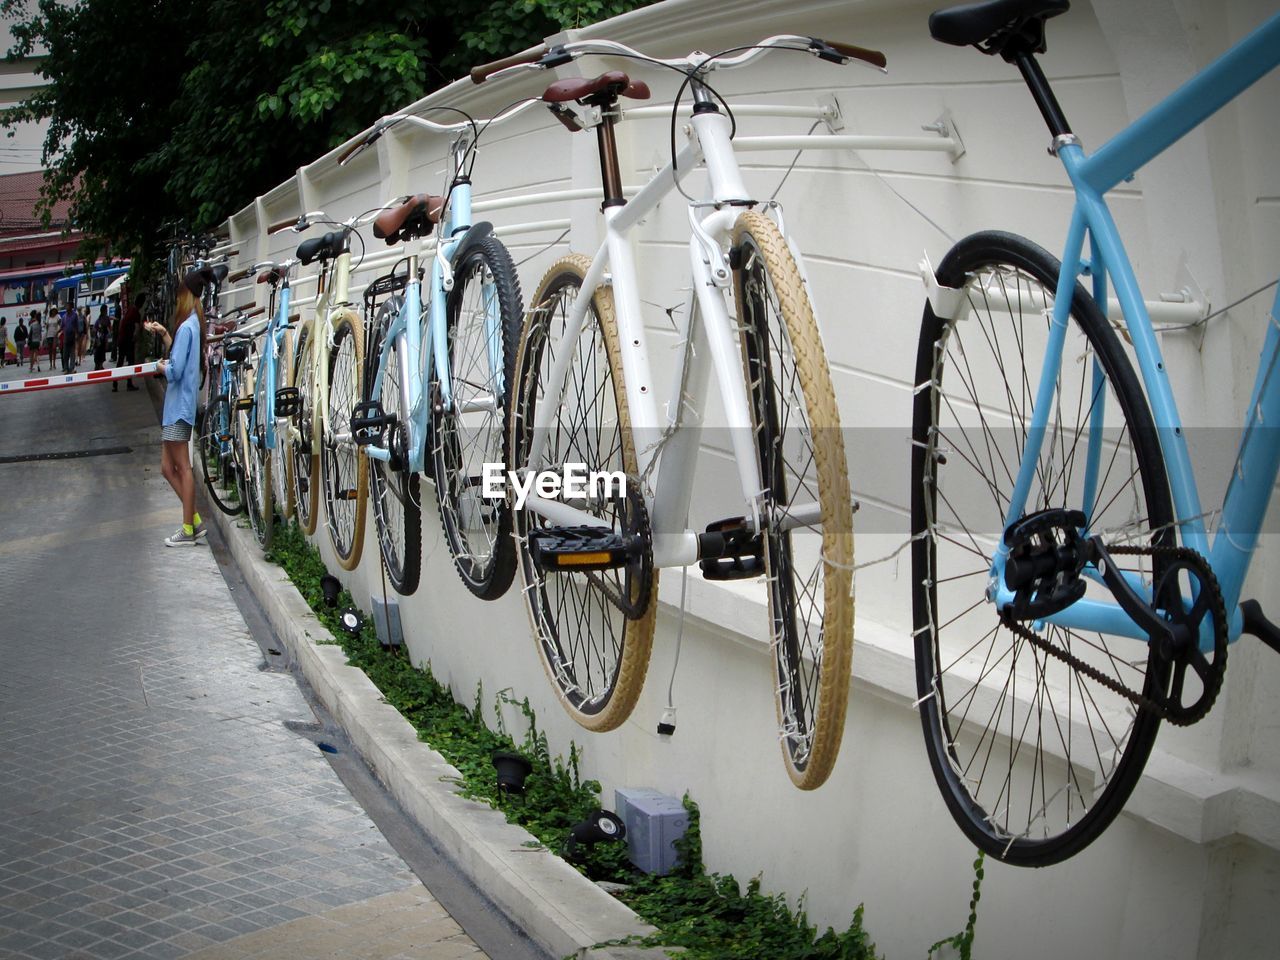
[601, 826]
[512, 768]
[351, 621]
[330, 586]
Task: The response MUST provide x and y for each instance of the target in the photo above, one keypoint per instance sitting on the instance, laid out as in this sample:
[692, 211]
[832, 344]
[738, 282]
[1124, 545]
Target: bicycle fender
[475, 235]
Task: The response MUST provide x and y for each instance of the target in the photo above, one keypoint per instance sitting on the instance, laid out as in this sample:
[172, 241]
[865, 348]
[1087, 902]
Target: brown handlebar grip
[873, 57]
[347, 153]
[282, 225]
[481, 73]
[294, 318]
[238, 276]
[254, 313]
[232, 253]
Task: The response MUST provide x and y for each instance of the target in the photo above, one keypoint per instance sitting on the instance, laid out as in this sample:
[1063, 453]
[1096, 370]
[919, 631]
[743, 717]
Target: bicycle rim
[484, 318]
[342, 462]
[800, 452]
[1033, 756]
[594, 655]
[394, 490]
[304, 454]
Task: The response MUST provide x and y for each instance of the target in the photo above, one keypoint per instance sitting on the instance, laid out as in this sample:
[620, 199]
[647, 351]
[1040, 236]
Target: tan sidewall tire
[833, 497]
[302, 377]
[351, 561]
[282, 455]
[638, 634]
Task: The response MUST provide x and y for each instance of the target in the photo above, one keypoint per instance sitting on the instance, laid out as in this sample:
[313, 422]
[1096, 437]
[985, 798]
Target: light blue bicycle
[436, 386]
[1067, 593]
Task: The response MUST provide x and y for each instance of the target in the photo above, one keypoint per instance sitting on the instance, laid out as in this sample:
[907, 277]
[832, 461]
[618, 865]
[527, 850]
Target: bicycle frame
[715, 338]
[1258, 456]
[427, 355]
[332, 299]
[264, 388]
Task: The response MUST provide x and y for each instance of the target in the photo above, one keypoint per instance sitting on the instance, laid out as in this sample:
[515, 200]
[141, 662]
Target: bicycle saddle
[599, 91]
[330, 245]
[219, 272]
[1007, 27]
[414, 218]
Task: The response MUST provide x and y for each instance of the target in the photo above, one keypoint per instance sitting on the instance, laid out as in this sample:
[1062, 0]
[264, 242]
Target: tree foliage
[166, 111]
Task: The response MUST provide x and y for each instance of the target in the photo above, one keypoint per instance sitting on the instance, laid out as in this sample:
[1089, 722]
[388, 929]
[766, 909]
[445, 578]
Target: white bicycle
[583, 393]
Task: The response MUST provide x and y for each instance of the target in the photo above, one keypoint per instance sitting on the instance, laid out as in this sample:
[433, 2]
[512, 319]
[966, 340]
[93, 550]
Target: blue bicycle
[437, 384]
[1067, 594]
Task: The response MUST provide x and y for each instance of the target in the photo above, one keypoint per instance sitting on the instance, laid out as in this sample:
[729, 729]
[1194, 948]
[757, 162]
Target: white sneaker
[181, 538]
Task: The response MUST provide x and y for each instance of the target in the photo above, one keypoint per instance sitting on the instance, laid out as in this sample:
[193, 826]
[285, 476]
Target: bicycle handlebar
[544, 58]
[281, 225]
[239, 275]
[482, 73]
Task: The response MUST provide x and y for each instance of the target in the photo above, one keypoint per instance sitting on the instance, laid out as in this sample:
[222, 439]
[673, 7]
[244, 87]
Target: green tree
[166, 111]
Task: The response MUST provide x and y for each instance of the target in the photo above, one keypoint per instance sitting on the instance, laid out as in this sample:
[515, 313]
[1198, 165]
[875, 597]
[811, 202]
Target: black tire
[478, 531]
[257, 459]
[1033, 756]
[346, 484]
[800, 453]
[393, 488]
[594, 654]
[217, 462]
[304, 451]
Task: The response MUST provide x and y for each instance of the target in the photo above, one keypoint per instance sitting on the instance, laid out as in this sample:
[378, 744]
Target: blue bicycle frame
[428, 356]
[1258, 456]
[264, 391]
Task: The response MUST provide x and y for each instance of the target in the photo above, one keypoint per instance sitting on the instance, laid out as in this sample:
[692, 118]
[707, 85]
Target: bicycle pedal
[1046, 557]
[244, 403]
[729, 550]
[345, 494]
[582, 548]
[288, 402]
[368, 420]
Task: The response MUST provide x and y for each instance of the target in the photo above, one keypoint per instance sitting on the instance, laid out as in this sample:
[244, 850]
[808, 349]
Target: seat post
[1043, 94]
[610, 173]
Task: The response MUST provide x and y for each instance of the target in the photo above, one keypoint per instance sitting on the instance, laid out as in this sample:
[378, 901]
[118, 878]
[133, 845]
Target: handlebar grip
[481, 73]
[282, 225]
[241, 275]
[254, 313]
[231, 253]
[352, 150]
[866, 55]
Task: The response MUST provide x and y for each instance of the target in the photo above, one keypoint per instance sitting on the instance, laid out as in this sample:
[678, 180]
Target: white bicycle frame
[716, 338]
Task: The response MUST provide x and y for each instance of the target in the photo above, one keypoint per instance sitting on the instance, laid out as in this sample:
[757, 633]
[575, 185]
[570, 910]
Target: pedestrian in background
[51, 332]
[70, 333]
[20, 336]
[36, 332]
[185, 346]
[101, 334]
[126, 337]
[82, 335]
[4, 339]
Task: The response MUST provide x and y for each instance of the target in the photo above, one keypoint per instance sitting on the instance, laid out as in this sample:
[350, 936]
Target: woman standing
[36, 336]
[185, 347]
[101, 334]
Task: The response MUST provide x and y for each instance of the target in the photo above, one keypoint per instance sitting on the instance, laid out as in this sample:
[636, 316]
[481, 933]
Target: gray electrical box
[654, 823]
[386, 621]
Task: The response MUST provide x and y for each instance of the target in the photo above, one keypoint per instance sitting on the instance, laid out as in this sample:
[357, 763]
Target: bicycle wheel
[216, 461]
[1034, 756]
[806, 511]
[257, 459]
[304, 455]
[594, 654]
[346, 485]
[393, 487]
[484, 319]
[282, 449]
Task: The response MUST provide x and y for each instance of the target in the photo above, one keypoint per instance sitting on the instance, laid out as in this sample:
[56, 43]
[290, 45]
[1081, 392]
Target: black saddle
[325, 248]
[1011, 28]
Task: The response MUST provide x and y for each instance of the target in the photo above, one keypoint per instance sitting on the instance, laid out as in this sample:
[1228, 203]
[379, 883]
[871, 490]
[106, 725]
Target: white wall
[1192, 869]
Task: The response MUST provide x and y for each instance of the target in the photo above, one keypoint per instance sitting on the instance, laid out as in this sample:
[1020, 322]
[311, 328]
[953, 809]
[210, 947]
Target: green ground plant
[710, 916]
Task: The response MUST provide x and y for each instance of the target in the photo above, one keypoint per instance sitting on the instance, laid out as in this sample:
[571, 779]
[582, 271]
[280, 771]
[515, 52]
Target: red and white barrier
[77, 379]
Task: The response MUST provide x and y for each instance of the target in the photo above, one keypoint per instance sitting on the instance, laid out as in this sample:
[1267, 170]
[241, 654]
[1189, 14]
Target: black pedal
[1046, 556]
[244, 403]
[288, 402]
[1257, 624]
[368, 421]
[582, 548]
[730, 551]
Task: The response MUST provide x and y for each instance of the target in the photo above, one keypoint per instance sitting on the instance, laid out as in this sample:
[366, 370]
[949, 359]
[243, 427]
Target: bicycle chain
[1143, 702]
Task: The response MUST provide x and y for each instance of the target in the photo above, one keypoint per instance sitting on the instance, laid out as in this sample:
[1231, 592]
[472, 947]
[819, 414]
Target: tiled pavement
[154, 800]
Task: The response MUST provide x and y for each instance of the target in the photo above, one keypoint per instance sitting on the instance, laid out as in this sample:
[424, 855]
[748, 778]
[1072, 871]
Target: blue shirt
[183, 373]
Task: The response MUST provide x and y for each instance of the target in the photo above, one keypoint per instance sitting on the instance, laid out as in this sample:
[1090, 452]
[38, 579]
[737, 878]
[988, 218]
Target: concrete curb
[560, 909]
